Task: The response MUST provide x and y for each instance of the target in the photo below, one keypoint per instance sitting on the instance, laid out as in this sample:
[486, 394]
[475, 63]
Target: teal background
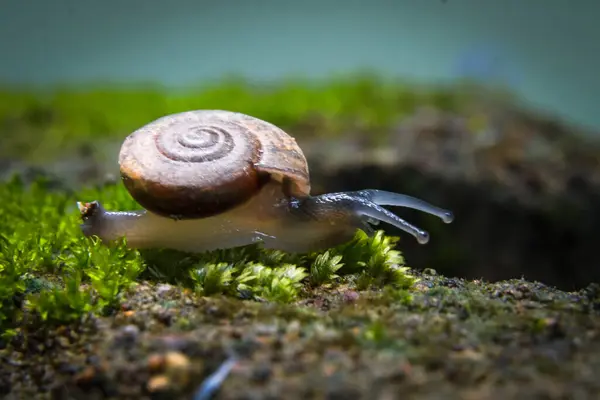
[547, 50]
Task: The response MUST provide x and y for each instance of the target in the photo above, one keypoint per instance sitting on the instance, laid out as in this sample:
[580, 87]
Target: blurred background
[488, 108]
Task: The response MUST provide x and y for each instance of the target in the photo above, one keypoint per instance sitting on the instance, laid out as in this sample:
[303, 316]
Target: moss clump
[50, 270]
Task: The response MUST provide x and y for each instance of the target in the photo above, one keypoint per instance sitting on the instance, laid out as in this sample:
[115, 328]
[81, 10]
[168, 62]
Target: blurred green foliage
[35, 124]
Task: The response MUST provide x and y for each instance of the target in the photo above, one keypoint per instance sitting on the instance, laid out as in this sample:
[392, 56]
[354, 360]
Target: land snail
[213, 179]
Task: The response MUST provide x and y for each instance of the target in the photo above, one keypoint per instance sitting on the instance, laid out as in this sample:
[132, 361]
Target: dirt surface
[444, 338]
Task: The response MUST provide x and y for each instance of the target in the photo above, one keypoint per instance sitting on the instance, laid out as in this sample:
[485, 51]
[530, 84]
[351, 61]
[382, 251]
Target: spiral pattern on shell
[198, 143]
[200, 163]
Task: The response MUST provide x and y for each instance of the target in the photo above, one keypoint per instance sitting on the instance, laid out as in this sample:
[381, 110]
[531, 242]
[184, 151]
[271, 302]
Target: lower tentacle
[381, 197]
[375, 211]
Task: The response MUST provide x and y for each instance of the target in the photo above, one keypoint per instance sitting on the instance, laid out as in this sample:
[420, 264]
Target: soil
[445, 338]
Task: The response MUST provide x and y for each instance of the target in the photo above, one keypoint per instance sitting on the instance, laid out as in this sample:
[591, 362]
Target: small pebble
[350, 296]
[177, 367]
[162, 289]
[130, 331]
[158, 383]
[156, 363]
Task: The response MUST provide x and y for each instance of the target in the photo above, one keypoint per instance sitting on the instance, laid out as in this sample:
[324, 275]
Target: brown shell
[200, 163]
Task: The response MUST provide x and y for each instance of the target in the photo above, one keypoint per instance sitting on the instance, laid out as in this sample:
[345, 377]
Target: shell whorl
[197, 143]
[200, 163]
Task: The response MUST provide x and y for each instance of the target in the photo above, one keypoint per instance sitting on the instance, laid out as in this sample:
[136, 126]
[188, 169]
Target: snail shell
[201, 163]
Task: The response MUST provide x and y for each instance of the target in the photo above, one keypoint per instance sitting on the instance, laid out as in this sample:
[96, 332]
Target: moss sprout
[324, 268]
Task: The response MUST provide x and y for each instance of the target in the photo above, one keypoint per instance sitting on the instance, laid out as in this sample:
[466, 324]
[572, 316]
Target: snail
[214, 179]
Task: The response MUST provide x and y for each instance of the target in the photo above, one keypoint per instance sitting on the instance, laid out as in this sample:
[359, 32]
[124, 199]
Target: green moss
[59, 120]
[41, 242]
[324, 268]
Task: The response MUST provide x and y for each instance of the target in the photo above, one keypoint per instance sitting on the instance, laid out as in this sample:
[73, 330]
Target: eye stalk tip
[422, 237]
[448, 217]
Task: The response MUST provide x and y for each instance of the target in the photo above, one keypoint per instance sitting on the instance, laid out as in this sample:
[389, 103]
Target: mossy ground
[86, 320]
[80, 319]
[442, 338]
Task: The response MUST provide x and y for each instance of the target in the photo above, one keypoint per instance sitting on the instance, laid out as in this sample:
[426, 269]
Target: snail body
[213, 179]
